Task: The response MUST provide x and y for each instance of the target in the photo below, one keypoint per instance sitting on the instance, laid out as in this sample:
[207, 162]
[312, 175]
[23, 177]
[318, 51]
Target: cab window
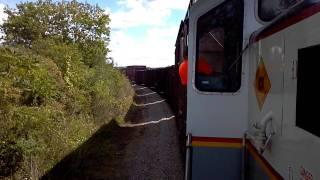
[219, 45]
[269, 9]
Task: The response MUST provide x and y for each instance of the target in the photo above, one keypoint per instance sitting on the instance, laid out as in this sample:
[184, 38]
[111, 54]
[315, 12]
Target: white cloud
[144, 12]
[156, 47]
[3, 16]
[155, 50]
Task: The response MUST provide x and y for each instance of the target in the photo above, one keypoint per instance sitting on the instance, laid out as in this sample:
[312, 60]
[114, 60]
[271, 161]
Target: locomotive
[254, 116]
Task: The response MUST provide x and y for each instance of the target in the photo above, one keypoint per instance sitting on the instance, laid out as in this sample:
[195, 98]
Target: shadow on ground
[149, 150]
[100, 156]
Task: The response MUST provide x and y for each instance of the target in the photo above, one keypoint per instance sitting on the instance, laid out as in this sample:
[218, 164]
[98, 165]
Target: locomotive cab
[247, 112]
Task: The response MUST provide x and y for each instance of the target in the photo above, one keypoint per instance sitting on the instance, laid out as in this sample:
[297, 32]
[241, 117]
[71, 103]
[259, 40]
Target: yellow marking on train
[262, 83]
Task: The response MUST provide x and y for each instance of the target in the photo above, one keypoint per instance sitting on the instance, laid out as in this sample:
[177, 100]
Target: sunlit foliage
[56, 85]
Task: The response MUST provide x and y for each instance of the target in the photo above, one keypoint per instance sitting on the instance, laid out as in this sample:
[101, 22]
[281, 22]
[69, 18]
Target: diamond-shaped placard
[262, 83]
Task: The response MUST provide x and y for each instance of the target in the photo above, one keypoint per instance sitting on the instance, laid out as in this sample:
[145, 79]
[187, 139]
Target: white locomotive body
[253, 116]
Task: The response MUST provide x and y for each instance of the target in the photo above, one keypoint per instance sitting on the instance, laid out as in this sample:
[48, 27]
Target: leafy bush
[112, 94]
[43, 118]
[56, 87]
[10, 158]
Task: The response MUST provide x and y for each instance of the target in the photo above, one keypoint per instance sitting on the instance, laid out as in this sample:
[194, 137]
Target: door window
[219, 45]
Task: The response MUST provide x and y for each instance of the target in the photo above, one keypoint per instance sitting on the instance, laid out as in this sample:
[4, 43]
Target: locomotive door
[216, 92]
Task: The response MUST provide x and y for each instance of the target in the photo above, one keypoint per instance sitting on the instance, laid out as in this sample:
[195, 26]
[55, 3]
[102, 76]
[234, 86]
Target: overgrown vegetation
[56, 85]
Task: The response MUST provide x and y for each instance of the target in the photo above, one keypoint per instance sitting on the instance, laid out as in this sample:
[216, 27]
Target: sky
[143, 32]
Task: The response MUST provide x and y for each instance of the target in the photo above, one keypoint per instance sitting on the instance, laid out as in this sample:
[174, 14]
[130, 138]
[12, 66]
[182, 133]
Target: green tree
[67, 22]
[56, 88]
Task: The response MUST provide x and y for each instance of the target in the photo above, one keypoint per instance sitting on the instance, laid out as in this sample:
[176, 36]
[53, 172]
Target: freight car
[130, 71]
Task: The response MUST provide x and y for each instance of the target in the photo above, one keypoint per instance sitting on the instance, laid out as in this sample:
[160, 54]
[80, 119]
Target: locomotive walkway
[144, 147]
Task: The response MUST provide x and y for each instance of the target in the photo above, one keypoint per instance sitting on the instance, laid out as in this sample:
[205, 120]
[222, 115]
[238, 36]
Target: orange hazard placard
[262, 83]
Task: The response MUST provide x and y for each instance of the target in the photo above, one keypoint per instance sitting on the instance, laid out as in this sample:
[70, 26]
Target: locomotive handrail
[259, 136]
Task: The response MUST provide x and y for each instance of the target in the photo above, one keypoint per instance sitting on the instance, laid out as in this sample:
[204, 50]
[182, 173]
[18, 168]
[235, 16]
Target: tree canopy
[67, 21]
[56, 87]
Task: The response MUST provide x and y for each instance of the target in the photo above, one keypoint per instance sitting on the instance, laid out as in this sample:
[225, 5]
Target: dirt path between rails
[145, 147]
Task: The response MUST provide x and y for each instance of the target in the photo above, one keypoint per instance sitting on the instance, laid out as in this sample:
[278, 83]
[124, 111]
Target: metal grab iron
[259, 136]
